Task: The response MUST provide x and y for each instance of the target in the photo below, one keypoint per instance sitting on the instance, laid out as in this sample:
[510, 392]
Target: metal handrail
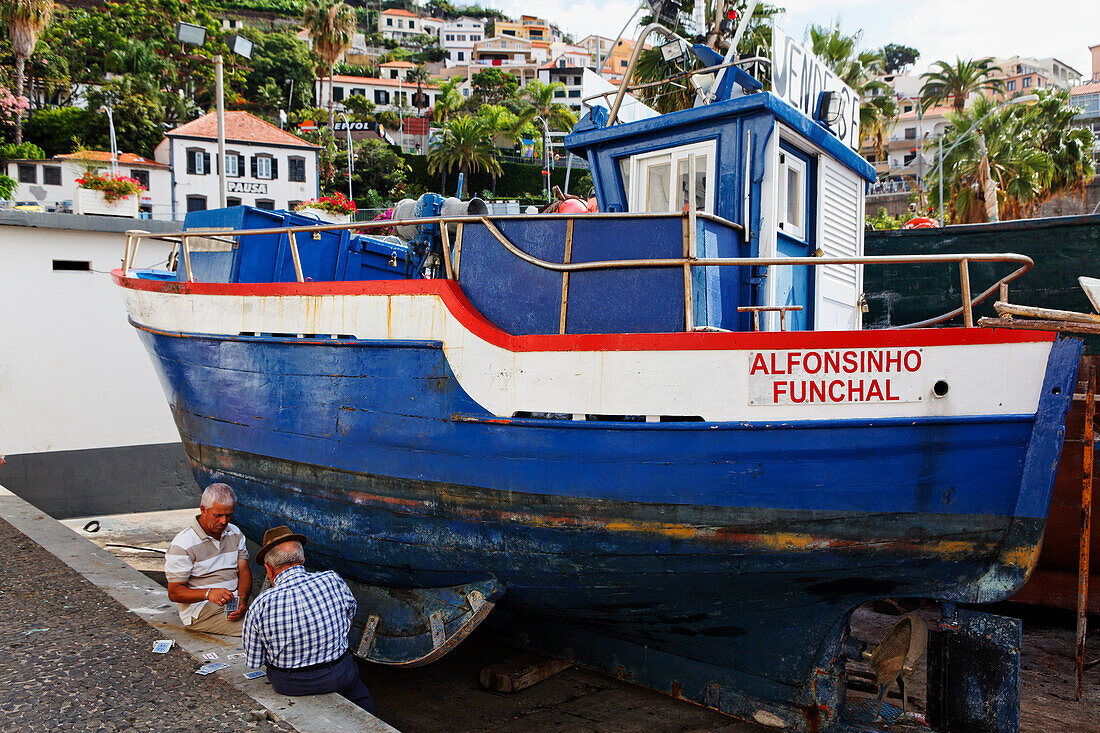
[963, 260]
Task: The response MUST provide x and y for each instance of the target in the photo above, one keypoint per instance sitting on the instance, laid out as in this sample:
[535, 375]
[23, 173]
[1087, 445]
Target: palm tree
[466, 143]
[331, 24]
[418, 75]
[25, 20]
[958, 81]
[1034, 153]
[860, 70]
[541, 96]
[448, 100]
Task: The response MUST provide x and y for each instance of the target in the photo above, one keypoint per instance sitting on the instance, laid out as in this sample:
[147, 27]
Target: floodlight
[241, 46]
[672, 50]
[830, 107]
[191, 34]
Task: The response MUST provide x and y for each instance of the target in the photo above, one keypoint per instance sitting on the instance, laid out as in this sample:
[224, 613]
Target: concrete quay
[78, 626]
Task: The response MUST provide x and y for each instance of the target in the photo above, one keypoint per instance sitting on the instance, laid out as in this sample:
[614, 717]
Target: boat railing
[452, 254]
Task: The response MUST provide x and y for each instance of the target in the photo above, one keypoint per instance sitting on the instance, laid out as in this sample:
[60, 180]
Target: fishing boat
[654, 439]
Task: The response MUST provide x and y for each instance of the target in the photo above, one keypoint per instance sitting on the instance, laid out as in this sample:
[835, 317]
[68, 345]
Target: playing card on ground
[253, 675]
[211, 668]
[238, 655]
[161, 646]
[210, 655]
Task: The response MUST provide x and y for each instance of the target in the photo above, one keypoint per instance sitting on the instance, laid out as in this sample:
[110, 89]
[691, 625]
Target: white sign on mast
[799, 77]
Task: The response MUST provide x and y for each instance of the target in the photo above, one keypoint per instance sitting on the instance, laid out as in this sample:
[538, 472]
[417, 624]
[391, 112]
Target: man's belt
[311, 667]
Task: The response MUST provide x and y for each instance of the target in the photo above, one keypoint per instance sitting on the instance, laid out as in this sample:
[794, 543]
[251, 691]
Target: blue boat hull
[718, 561]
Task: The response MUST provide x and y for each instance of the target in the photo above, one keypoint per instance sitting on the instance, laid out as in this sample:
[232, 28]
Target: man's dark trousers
[340, 675]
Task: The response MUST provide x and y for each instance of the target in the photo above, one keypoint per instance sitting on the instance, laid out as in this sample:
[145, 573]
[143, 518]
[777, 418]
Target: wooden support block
[521, 671]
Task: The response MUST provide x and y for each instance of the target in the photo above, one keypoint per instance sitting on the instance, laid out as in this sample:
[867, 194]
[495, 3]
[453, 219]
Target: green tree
[331, 25]
[958, 81]
[137, 118]
[449, 99]
[58, 129]
[1034, 153]
[859, 70]
[542, 96]
[493, 86]
[7, 187]
[282, 59]
[379, 167]
[466, 144]
[418, 75]
[896, 57]
[678, 95]
[25, 20]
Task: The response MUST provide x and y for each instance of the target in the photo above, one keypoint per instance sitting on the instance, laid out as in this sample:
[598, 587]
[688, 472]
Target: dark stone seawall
[78, 483]
[1063, 248]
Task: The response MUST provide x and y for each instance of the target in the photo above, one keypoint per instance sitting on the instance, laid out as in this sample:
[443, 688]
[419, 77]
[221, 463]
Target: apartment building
[458, 39]
[1087, 97]
[1024, 75]
[400, 25]
[386, 94]
[529, 28]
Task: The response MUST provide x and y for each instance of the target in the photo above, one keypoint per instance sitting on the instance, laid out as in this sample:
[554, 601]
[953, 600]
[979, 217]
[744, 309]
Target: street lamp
[347, 128]
[1025, 99]
[195, 35]
[546, 156]
[114, 142]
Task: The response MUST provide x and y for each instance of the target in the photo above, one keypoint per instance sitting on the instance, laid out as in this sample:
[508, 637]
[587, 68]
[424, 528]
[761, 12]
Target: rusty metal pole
[1086, 530]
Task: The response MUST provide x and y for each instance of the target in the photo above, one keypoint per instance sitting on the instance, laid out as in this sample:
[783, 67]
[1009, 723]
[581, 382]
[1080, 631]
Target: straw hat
[275, 536]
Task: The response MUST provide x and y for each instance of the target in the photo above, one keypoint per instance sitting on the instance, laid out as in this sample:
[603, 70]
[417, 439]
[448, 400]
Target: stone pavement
[75, 659]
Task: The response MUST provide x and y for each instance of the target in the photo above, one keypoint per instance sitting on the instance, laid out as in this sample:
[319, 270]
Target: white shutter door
[840, 235]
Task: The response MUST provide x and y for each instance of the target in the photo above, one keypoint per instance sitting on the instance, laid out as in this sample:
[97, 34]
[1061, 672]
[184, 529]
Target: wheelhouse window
[792, 196]
[661, 181]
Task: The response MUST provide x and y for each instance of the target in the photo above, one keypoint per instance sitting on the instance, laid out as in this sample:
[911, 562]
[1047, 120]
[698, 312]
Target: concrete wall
[80, 402]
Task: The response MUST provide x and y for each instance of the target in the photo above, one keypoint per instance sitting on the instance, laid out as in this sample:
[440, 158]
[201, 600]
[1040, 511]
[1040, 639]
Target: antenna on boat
[724, 20]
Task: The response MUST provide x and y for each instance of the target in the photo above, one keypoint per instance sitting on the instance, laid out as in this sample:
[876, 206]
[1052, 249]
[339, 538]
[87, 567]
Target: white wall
[73, 374]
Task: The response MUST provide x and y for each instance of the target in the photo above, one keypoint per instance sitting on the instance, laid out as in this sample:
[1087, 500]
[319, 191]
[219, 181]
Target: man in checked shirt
[299, 627]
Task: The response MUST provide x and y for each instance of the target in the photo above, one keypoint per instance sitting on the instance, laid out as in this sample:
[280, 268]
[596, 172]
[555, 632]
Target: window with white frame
[231, 165]
[661, 181]
[263, 166]
[792, 195]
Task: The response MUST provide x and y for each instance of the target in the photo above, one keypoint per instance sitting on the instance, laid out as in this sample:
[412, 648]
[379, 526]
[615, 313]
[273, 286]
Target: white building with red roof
[399, 24]
[385, 94]
[52, 184]
[265, 167]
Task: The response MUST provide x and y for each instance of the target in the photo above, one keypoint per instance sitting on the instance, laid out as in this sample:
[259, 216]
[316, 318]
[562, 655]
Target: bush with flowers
[336, 203]
[114, 186]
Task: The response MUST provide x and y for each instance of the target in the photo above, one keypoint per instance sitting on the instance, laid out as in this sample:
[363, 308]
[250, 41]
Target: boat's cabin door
[796, 237]
[660, 181]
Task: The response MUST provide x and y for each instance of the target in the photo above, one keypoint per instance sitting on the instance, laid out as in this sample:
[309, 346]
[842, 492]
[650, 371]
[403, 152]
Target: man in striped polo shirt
[207, 567]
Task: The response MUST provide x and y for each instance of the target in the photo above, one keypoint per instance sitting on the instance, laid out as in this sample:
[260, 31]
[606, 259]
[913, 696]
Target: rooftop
[240, 127]
[103, 156]
[1089, 87]
[398, 65]
[399, 11]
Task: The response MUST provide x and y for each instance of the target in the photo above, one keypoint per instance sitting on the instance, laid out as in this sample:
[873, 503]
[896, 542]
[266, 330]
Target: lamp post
[195, 35]
[400, 114]
[114, 143]
[347, 128]
[546, 156]
[1026, 99]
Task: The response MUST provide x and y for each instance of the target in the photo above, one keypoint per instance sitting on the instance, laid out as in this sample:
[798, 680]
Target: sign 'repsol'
[799, 77]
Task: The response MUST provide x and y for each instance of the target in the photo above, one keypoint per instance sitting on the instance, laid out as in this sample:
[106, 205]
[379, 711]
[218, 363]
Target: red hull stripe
[456, 302]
